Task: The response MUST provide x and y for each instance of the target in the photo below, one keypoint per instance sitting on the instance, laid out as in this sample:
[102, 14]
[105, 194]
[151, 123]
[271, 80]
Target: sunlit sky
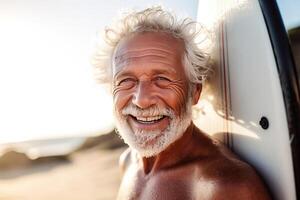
[46, 82]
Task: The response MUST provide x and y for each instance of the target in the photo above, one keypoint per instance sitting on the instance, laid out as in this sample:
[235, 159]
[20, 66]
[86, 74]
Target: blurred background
[57, 137]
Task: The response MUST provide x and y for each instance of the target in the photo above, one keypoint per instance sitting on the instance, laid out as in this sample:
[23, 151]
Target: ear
[196, 93]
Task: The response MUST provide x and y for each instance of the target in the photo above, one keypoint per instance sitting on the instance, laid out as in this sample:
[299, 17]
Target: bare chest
[161, 186]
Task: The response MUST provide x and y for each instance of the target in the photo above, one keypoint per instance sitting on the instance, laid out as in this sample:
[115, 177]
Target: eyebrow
[118, 74]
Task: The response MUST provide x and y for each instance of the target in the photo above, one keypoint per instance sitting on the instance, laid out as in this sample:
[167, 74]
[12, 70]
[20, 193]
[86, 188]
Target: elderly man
[156, 70]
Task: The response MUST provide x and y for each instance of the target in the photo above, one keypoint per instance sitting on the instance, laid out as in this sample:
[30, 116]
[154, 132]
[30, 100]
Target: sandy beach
[90, 174]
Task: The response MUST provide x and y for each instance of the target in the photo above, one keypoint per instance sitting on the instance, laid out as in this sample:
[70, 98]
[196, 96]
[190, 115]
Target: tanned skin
[194, 167]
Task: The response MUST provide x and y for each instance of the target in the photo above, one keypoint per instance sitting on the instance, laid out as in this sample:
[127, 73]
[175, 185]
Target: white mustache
[148, 112]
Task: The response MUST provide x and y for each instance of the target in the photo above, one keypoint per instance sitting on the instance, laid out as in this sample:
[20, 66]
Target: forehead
[151, 39]
[150, 48]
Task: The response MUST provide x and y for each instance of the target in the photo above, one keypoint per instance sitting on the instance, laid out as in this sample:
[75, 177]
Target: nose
[143, 96]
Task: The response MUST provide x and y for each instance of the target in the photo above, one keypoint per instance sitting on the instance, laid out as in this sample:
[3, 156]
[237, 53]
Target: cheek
[120, 99]
[176, 96]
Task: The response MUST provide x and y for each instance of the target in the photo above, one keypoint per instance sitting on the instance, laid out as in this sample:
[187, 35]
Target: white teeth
[149, 119]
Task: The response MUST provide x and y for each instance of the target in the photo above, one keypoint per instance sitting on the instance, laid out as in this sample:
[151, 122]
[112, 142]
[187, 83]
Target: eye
[126, 82]
[161, 78]
[162, 81]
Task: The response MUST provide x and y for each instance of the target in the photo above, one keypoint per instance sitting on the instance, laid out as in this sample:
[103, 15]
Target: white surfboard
[245, 103]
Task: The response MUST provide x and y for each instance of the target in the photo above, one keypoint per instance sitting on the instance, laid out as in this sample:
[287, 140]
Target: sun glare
[46, 82]
[211, 12]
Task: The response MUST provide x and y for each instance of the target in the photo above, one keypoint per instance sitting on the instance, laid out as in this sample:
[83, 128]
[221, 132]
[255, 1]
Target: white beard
[151, 143]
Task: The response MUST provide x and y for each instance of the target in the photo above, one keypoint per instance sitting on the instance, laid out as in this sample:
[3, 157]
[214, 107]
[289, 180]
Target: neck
[181, 151]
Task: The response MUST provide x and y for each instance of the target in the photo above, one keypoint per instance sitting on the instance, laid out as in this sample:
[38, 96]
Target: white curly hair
[155, 19]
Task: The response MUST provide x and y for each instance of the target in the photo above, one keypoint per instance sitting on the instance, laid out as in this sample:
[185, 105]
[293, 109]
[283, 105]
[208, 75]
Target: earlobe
[197, 93]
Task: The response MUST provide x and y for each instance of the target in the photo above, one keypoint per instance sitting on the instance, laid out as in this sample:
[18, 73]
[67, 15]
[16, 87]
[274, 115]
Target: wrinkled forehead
[149, 44]
[151, 39]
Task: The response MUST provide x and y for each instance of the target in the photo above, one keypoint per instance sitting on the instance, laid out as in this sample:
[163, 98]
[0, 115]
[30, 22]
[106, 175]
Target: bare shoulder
[232, 178]
[124, 160]
[240, 181]
[128, 158]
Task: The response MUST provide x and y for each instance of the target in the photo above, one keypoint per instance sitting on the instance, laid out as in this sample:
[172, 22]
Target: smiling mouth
[148, 120]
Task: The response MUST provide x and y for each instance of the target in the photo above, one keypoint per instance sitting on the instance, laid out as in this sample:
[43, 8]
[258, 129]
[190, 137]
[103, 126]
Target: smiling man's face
[151, 92]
